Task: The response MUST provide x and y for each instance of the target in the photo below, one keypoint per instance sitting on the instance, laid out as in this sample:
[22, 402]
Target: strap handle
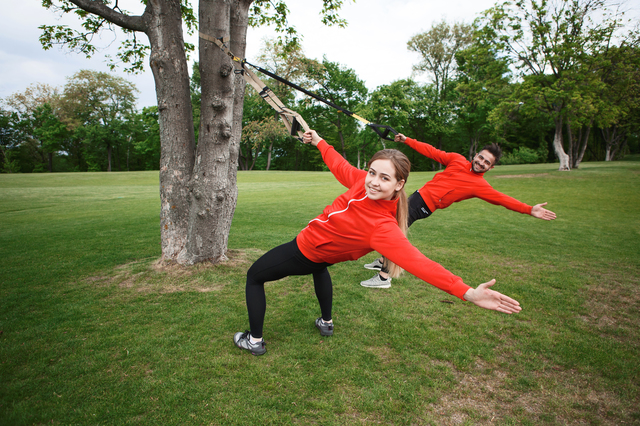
[384, 134]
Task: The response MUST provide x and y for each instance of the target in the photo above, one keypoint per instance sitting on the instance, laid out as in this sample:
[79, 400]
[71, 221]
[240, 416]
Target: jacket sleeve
[429, 151]
[388, 240]
[346, 174]
[490, 195]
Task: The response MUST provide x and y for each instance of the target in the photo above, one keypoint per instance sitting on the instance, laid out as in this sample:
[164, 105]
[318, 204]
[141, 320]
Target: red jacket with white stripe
[354, 225]
[458, 182]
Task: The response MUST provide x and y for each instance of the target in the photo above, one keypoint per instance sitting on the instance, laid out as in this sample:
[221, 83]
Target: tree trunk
[557, 146]
[171, 74]
[109, 157]
[50, 162]
[269, 155]
[611, 139]
[570, 143]
[583, 146]
[473, 146]
[213, 187]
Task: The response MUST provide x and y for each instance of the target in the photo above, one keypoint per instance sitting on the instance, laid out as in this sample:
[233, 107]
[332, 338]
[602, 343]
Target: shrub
[521, 155]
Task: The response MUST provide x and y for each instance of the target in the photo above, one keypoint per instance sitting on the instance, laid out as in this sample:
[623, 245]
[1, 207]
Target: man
[460, 180]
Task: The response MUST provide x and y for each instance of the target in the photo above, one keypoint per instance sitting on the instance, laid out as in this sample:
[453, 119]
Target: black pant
[417, 208]
[278, 263]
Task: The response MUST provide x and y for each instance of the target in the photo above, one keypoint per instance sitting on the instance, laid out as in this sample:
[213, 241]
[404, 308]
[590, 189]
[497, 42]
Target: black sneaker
[242, 341]
[326, 328]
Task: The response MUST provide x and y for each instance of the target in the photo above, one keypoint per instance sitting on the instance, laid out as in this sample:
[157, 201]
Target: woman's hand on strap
[400, 138]
[311, 137]
[486, 298]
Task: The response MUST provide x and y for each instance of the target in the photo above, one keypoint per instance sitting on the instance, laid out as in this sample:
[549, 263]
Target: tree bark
[213, 190]
[168, 62]
[611, 138]
[269, 155]
[570, 143]
[108, 157]
[557, 146]
[583, 145]
[473, 146]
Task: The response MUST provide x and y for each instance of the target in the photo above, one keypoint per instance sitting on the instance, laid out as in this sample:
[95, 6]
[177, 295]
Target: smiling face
[381, 182]
[483, 161]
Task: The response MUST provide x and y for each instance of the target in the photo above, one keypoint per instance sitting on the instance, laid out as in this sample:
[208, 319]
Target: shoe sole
[372, 268]
[376, 286]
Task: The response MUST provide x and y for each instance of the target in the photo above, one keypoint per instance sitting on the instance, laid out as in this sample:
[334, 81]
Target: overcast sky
[374, 44]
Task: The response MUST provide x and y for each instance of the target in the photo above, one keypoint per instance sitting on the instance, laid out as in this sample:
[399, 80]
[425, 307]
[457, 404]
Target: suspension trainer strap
[382, 130]
[293, 121]
[286, 114]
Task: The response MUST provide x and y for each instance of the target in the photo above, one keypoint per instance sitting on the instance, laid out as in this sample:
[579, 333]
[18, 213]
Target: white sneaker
[376, 265]
[376, 282]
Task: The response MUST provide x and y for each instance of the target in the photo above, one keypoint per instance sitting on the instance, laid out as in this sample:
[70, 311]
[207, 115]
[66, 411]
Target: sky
[374, 44]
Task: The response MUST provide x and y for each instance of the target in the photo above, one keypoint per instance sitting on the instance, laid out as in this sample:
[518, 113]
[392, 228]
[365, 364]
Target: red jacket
[458, 182]
[354, 225]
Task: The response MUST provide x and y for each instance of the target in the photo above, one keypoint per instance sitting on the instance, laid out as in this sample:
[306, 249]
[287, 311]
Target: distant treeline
[542, 97]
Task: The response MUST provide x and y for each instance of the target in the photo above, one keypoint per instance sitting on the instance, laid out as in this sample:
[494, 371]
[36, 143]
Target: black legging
[278, 263]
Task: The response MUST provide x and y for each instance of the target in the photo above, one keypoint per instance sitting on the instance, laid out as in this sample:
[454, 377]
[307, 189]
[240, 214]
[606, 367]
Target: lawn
[94, 330]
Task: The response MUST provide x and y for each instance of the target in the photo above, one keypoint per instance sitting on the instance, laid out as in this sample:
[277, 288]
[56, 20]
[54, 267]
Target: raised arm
[427, 150]
[346, 174]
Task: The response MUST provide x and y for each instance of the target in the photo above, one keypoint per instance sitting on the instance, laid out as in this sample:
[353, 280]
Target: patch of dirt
[485, 395]
[234, 259]
[162, 276]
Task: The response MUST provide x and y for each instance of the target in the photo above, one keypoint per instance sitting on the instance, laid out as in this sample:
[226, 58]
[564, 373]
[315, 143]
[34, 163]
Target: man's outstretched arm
[541, 213]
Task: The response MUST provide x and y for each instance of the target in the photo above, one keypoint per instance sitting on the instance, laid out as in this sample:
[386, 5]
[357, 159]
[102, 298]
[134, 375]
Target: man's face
[483, 161]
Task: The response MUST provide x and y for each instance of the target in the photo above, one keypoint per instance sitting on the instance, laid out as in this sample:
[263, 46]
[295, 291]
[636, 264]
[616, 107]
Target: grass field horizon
[95, 330]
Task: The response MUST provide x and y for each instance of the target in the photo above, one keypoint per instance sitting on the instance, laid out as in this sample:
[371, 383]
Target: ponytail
[402, 216]
[402, 167]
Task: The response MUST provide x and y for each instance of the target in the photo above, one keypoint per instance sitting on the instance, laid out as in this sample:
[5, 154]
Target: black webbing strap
[384, 134]
[291, 119]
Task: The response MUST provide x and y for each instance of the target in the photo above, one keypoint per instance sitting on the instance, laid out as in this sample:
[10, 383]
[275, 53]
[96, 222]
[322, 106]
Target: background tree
[438, 48]
[98, 104]
[198, 188]
[620, 99]
[51, 132]
[7, 142]
[342, 87]
[146, 138]
[483, 79]
[549, 41]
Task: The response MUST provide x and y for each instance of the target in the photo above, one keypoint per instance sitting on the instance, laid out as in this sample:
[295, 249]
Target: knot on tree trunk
[225, 133]
[226, 70]
[217, 103]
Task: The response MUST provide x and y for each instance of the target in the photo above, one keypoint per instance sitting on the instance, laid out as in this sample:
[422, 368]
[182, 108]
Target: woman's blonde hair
[402, 167]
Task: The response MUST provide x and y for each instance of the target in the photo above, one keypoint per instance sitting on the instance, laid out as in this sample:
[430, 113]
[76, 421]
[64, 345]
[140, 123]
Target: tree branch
[97, 7]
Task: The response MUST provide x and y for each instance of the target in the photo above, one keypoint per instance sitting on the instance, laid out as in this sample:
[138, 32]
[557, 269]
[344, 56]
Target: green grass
[95, 331]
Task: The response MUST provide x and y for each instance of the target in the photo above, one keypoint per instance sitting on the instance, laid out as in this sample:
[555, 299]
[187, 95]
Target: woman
[363, 219]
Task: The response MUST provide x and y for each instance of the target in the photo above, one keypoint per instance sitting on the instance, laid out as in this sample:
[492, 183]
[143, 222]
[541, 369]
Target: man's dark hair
[495, 150]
